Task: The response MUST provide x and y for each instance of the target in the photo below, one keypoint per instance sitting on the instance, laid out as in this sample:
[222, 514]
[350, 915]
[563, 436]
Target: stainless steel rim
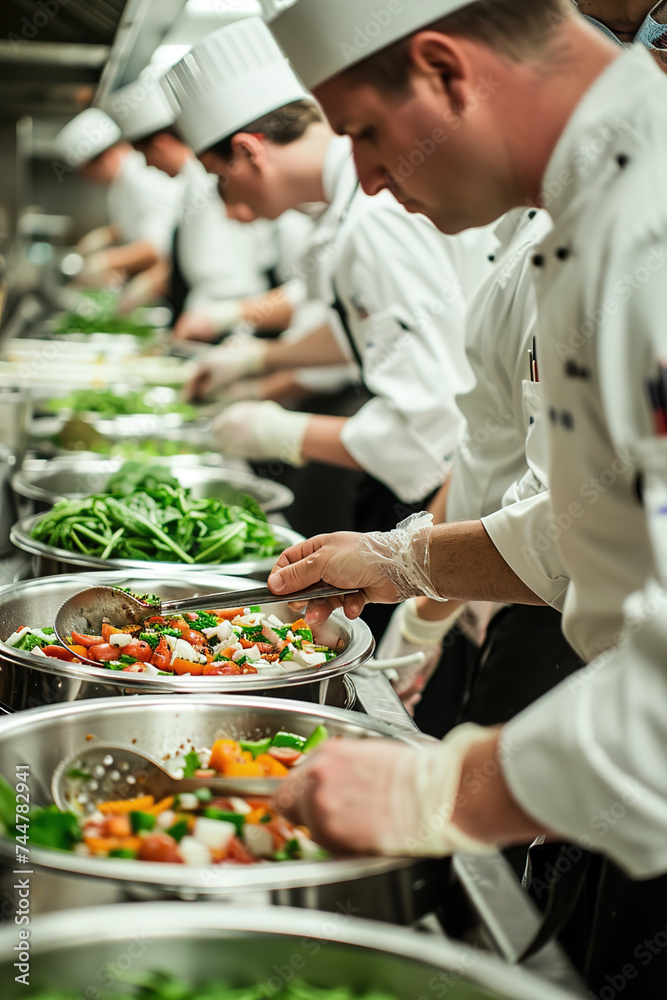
[20, 536]
[359, 650]
[22, 483]
[174, 920]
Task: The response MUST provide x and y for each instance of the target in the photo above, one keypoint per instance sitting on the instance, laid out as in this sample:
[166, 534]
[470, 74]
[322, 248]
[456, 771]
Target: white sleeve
[159, 203]
[406, 315]
[590, 759]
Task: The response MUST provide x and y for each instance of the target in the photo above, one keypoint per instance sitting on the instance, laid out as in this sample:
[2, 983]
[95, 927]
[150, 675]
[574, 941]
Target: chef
[588, 761]
[217, 263]
[142, 203]
[393, 284]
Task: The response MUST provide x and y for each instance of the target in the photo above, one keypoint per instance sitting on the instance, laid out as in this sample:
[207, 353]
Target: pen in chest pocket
[657, 394]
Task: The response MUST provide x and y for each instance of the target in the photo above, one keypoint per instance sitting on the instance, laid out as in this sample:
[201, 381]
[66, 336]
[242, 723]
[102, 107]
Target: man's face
[250, 189]
[436, 160]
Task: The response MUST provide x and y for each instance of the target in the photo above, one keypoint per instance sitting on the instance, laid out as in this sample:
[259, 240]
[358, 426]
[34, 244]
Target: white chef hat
[325, 37]
[235, 76]
[86, 136]
[143, 107]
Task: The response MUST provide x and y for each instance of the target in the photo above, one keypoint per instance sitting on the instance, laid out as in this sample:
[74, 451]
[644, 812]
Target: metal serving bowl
[49, 560]
[27, 680]
[71, 478]
[385, 888]
[83, 953]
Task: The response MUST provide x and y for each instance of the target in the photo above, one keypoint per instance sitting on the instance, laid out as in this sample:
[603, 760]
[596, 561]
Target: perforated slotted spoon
[87, 611]
[103, 773]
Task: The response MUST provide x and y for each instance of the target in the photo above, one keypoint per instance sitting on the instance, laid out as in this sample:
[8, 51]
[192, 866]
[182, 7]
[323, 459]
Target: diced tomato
[117, 826]
[59, 653]
[285, 755]
[238, 854]
[228, 653]
[134, 668]
[227, 614]
[161, 658]
[192, 636]
[159, 847]
[187, 667]
[139, 650]
[86, 640]
[263, 647]
[104, 652]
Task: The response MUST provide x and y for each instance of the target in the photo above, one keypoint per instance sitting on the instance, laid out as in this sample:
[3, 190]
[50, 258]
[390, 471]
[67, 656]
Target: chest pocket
[653, 460]
[537, 441]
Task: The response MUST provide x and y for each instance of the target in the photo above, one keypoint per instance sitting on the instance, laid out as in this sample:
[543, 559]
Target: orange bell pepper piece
[271, 767]
[181, 667]
[221, 752]
[102, 845]
[141, 804]
[243, 769]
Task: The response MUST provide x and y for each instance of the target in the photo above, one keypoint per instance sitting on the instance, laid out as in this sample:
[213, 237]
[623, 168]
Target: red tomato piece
[86, 640]
[192, 636]
[104, 652]
[159, 847]
[237, 853]
[139, 650]
[161, 658]
[60, 653]
[286, 755]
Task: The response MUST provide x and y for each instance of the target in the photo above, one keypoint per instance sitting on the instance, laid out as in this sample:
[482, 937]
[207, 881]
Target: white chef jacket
[144, 203]
[501, 455]
[590, 759]
[391, 277]
[218, 257]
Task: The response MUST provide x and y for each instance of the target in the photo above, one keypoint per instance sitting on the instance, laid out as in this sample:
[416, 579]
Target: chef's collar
[605, 112]
[651, 34]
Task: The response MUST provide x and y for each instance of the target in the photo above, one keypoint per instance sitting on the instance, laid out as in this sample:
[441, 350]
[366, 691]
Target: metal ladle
[111, 774]
[88, 610]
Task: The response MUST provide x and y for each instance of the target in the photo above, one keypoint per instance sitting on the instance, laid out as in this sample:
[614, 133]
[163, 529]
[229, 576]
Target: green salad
[146, 515]
[110, 404]
[97, 314]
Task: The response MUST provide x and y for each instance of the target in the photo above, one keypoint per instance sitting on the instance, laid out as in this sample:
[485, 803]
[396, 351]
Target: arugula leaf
[192, 764]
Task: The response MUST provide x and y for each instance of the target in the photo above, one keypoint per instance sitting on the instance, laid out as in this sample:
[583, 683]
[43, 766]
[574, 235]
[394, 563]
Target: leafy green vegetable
[97, 314]
[51, 828]
[108, 404]
[192, 764]
[134, 477]
[7, 805]
[165, 524]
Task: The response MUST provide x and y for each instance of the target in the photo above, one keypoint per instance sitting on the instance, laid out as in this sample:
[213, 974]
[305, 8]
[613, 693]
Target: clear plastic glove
[237, 359]
[408, 634]
[381, 797]
[206, 322]
[386, 567]
[140, 291]
[262, 431]
[97, 239]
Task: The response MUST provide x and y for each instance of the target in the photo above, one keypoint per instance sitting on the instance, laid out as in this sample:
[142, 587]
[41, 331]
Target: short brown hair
[517, 28]
[283, 127]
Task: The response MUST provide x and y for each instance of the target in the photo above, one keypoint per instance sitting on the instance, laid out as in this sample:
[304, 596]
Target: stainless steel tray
[42, 737]
[50, 560]
[46, 482]
[27, 680]
[73, 951]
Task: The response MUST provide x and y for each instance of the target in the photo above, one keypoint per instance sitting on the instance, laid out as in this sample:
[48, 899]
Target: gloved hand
[96, 269]
[138, 292]
[262, 431]
[385, 567]
[206, 321]
[95, 240]
[224, 365]
[408, 634]
[378, 796]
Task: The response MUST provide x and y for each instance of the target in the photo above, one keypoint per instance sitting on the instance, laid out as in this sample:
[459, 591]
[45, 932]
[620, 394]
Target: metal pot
[49, 560]
[398, 890]
[74, 477]
[27, 680]
[83, 952]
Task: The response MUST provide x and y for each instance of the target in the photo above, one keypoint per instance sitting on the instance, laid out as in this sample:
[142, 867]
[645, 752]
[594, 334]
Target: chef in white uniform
[589, 760]
[216, 261]
[396, 296]
[143, 203]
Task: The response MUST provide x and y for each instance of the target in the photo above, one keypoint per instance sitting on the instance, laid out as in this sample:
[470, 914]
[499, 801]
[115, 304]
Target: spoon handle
[229, 786]
[249, 598]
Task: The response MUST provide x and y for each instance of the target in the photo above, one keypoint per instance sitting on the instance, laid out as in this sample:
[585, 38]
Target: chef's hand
[382, 797]
[97, 239]
[409, 633]
[97, 270]
[224, 365]
[262, 431]
[206, 322]
[386, 567]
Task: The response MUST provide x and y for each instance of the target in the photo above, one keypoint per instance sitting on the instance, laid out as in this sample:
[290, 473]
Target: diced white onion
[166, 819]
[215, 833]
[240, 806]
[188, 800]
[194, 852]
[15, 637]
[258, 840]
[120, 639]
